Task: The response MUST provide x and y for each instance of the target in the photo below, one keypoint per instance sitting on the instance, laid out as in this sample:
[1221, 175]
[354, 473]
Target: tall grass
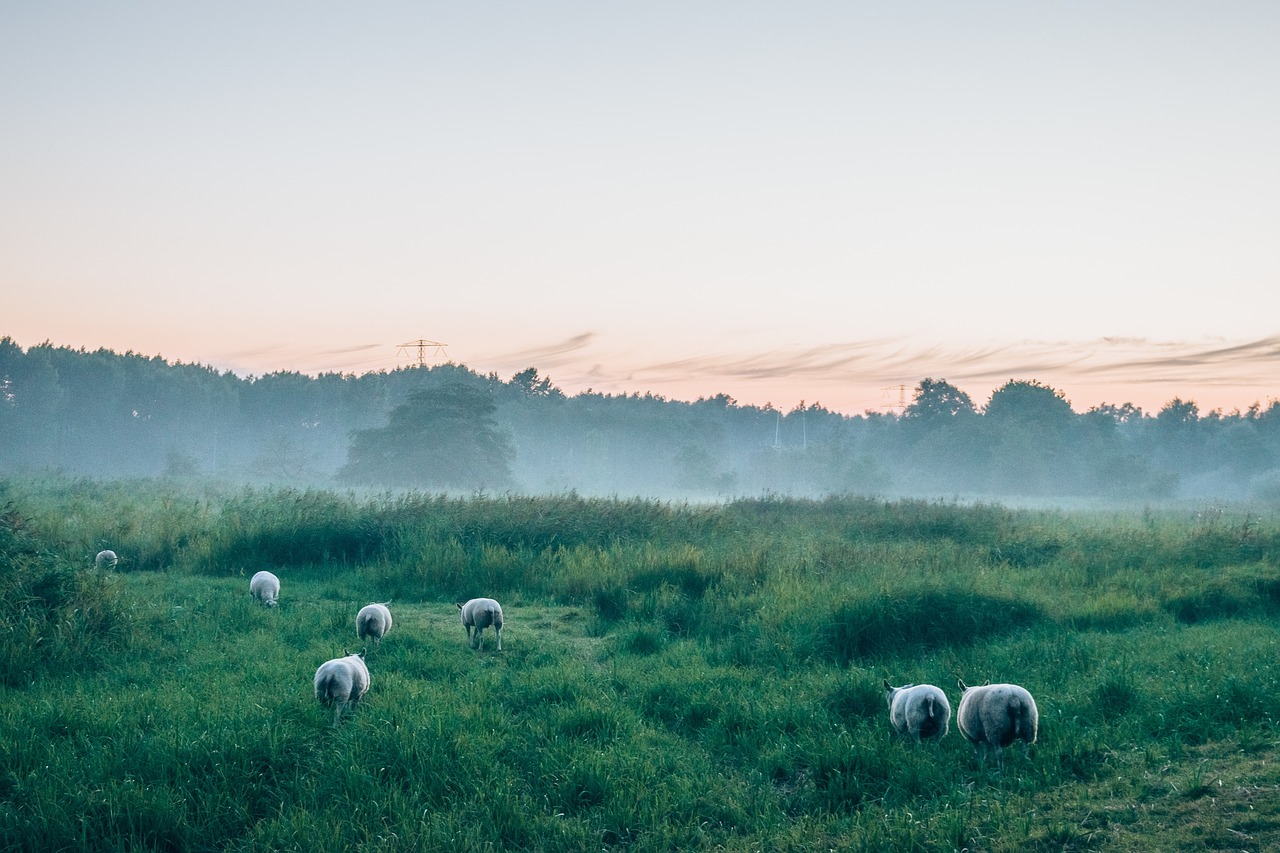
[674, 677]
[54, 617]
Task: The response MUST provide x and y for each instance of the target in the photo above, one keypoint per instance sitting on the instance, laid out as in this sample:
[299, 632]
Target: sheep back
[342, 682]
[481, 613]
[105, 560]
[265, 587]
[919, 710]
[996, 715]
[373, 620]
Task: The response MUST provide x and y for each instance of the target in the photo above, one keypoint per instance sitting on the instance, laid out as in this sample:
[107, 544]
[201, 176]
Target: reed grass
[673, 677]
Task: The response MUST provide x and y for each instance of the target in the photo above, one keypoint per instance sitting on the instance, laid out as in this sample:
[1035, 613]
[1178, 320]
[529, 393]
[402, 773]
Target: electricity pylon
[902, 398]
[423, 346]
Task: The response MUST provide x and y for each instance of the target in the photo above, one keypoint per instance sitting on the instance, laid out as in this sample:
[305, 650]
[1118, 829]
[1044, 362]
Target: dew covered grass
[673, 677]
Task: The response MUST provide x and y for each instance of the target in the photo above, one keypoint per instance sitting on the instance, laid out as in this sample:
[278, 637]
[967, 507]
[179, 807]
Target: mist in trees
[443, 438]
[448, 428]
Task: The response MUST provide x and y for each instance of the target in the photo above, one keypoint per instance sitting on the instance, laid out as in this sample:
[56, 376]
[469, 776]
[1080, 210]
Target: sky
[820, 202]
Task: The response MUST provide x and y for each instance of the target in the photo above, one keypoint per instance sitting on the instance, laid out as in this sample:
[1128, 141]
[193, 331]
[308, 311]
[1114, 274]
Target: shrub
[53, 618]
[1220, 599]
[893, 624]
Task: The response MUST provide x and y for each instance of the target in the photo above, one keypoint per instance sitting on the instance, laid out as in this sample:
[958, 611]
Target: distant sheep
[480, 613]
[992, 716]
[373, 620]
[341, 682]
[918, 710]
[266, 588]
[105, 560]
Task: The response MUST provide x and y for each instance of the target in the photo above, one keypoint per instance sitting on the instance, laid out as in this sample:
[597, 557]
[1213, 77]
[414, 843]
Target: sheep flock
[989, 716]
[340, 683]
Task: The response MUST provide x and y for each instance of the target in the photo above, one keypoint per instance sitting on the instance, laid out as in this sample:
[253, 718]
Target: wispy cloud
[855, 373]
[542, 357]
[358, 348]
[1119, 363]
[268, 359]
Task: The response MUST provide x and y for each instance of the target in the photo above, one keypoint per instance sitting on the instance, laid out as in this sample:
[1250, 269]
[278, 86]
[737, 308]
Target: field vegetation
[674, 676]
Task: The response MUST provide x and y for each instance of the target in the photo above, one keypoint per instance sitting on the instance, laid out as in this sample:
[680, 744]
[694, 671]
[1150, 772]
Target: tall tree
[1029, 402]
[444, 437]
[1030, 430]
[937, 400]
[942, 443]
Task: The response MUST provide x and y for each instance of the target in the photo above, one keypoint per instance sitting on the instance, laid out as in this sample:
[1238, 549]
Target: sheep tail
[933, 707]
[1016, 714]
[329, 690]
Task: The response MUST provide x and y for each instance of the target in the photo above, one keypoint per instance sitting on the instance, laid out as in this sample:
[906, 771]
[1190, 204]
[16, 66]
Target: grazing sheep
[341, 682]
[480, 613]
[105, 560]
[373, 620]
[266, 588]
[919, 710]
[995, 715]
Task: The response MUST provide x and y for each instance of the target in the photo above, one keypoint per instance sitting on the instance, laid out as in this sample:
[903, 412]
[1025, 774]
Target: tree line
[449, 428]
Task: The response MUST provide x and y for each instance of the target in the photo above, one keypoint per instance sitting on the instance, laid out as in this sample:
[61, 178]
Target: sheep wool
[373, 621]
[992, 716]
[478, 614]
[265, 587]
[920, 711]
[340, 683]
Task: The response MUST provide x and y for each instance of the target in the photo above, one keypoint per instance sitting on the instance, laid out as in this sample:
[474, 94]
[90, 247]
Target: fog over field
[752, 356]
[672, 676]
[447, 428]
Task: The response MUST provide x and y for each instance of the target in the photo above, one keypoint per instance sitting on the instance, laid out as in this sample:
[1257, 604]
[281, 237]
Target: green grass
[694, 678]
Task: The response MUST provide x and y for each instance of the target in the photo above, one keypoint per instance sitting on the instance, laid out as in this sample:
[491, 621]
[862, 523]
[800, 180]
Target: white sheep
[373, 620]
[480, 613]
[265, 587]
[105, 560]
[341, 682]
[919, 710]
[992, 716]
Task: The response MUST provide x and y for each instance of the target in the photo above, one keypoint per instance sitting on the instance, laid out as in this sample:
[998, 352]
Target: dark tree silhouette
[1029, 403]
[445, 437]
[528, 382]
[1030, 429]
[936, 401]
[104, 414]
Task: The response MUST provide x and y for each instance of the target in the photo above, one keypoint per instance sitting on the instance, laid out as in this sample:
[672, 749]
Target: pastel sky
[818, 201]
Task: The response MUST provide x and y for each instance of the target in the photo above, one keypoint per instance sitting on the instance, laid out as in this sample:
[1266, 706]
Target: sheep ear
[960, 683]
[363, 649]
[887, 685]
[458, 604]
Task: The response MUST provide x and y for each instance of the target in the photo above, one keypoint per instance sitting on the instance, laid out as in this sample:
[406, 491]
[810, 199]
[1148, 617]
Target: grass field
[673, 677]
